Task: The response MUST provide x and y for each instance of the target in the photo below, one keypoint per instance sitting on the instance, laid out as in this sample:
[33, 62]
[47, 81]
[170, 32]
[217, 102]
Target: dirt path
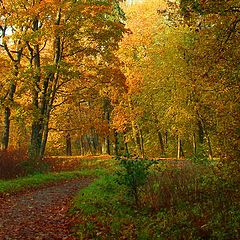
[39, 214]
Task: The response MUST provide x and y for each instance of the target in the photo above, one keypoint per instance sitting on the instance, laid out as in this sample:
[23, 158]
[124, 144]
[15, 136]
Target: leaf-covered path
[39, 214]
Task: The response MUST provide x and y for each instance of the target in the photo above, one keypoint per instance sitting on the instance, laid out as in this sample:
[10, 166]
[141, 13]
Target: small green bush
[134, 175]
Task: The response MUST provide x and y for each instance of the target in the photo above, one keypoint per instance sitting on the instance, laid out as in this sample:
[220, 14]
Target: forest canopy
[147, 78]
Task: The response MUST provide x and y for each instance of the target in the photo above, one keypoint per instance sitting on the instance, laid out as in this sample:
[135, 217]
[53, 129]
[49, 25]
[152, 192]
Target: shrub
[182, 202]
[11, 163]
[133, 175]
[34, 167]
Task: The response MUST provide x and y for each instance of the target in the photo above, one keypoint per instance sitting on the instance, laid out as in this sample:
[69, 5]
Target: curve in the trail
[40, 214]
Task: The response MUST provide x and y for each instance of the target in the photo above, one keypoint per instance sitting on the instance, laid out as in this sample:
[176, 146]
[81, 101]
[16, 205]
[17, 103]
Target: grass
[9, 186]
[96, 167]
[186, 201]
[14, 163]
[103, 210]
[197, 201]
[57, 164]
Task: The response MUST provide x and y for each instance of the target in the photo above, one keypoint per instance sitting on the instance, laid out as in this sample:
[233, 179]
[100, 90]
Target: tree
[11, 46]
[215, 69]
[57, 37]
[188, 69]
[155, 71]
[87, 106]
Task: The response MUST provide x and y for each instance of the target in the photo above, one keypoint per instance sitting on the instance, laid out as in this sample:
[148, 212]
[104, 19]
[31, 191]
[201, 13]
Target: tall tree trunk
[79, 147]
[15, 61]
[194, 144]
[82, 146]
[68, 145]
[107, 108]
[94, 142]
[205, 131]
[43, 98]
[106, 146]
[127, 153]
[6, 128]
[36, 141]
[7, 110]
[200, 132]
[166, 139]
[210, 153]
[178, 147]
[116, 145]
[44, 141]
[180, 152]
[137, 139]
[142, 144]
[160, 139]
[7, 114]
[135, 131]
[37, 124]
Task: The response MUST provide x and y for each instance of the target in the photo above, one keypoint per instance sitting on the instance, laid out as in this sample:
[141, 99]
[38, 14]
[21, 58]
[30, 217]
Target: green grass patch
[104, 211]
[92, 168]
[15, 185]
[8, 186]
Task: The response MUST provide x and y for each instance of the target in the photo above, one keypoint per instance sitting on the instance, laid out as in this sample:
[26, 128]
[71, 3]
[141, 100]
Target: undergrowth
[11, 163]
[14, 163]
[194, 201]
[104, 212]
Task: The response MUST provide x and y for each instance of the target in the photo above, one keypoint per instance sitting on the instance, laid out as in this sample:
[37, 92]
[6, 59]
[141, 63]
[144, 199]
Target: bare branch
[44, 45]
[73, 53]
[59, 104]
[8, 52]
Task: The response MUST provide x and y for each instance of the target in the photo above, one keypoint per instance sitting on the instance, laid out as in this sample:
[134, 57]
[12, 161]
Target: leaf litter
[40, 214]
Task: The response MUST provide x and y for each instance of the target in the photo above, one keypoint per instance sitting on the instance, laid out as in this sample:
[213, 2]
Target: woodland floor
[40, 213]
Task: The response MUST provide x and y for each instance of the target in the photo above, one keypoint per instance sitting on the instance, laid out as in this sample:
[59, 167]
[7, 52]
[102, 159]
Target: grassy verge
[90, 168]
[104, 212]
[192, 202]
[9, 186]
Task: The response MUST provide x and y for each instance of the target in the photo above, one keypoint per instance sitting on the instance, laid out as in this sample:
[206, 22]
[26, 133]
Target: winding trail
[41, 213]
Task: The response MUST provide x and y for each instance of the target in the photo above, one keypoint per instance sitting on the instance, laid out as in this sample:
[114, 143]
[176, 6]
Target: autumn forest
[142, 94]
